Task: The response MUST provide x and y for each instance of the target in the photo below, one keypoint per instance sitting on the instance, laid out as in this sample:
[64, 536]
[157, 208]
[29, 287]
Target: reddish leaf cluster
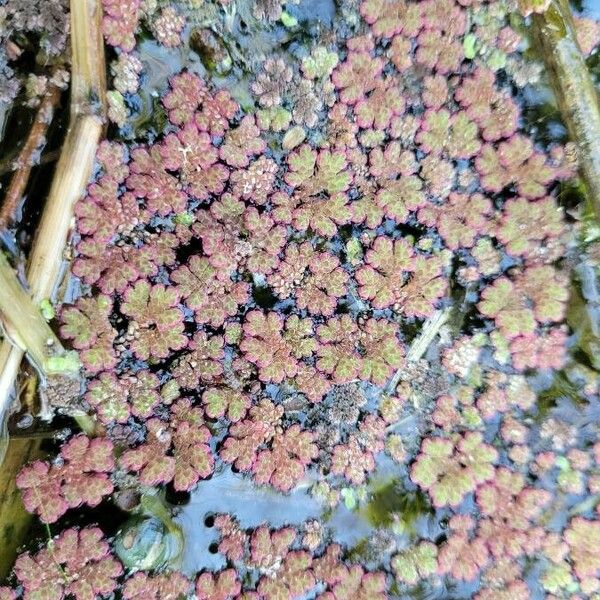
[77, 564]
[494, 111]
[510, 509]
[167, 27]
[102, 214]
[532, 230]
[535, 295]
[394, 276]
[357, 75]
[114, 268]
[352, 461]
[449, 469]
[189, 152]
[462, 556]
[586, 566]
[257, 444]
[115, 399]
[320, 181]
[210, 293]
[459, 220]
[176, 451]
[346, 351]
[120, 22]
[156, 322]
[87, 324]
[316, 279]
[275, 345]
[284, 572]
[202, 363]
[81, 477]
[218, 586]
[515, 162]
[156, 587]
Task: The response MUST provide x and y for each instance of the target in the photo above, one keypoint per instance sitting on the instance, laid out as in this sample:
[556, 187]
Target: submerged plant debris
[255, 261]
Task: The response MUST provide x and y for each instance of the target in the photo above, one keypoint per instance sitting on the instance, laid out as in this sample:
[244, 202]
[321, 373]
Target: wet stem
[430, 329]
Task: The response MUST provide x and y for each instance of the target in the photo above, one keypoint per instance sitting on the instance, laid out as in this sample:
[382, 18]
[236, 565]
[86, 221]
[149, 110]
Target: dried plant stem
[9, 166]
[25, 161]
[72, 174]
[575, 91]
[25, 326]
[46, 261]
[73, 170]
[430, 329]
[88, 68]
[10, 361]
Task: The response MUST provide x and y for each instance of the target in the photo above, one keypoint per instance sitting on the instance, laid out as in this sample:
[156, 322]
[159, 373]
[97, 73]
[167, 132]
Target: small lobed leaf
[224, 402]
[218, 586]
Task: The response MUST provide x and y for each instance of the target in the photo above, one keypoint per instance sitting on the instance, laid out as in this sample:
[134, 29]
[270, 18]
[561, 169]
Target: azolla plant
[257, 282]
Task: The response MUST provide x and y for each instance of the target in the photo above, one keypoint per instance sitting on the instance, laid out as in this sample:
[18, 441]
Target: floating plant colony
[253, 283]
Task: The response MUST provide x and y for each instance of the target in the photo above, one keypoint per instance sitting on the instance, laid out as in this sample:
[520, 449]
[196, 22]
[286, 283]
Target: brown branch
[575, 91]
[25, 161]
[9, 166]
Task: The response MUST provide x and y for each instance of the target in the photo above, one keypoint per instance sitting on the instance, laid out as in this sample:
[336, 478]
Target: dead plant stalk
[25, 161]
[575, 91]
[73, 170]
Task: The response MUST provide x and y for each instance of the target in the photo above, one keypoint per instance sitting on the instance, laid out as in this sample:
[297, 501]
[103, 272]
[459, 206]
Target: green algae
[392, 506]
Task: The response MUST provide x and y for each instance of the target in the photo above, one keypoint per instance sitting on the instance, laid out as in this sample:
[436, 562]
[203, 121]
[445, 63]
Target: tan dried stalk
[431, 327]
[574, 89]
[88, 68]
[27, 329]
[73, 170]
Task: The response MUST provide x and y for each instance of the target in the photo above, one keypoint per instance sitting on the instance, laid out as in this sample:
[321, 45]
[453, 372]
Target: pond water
[336, 283]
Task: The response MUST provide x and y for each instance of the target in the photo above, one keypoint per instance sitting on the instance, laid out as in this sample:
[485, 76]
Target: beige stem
[73, 170]
[430, 329]
[24, 324]
[88, 68]
[575, 91]
[72, 174]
